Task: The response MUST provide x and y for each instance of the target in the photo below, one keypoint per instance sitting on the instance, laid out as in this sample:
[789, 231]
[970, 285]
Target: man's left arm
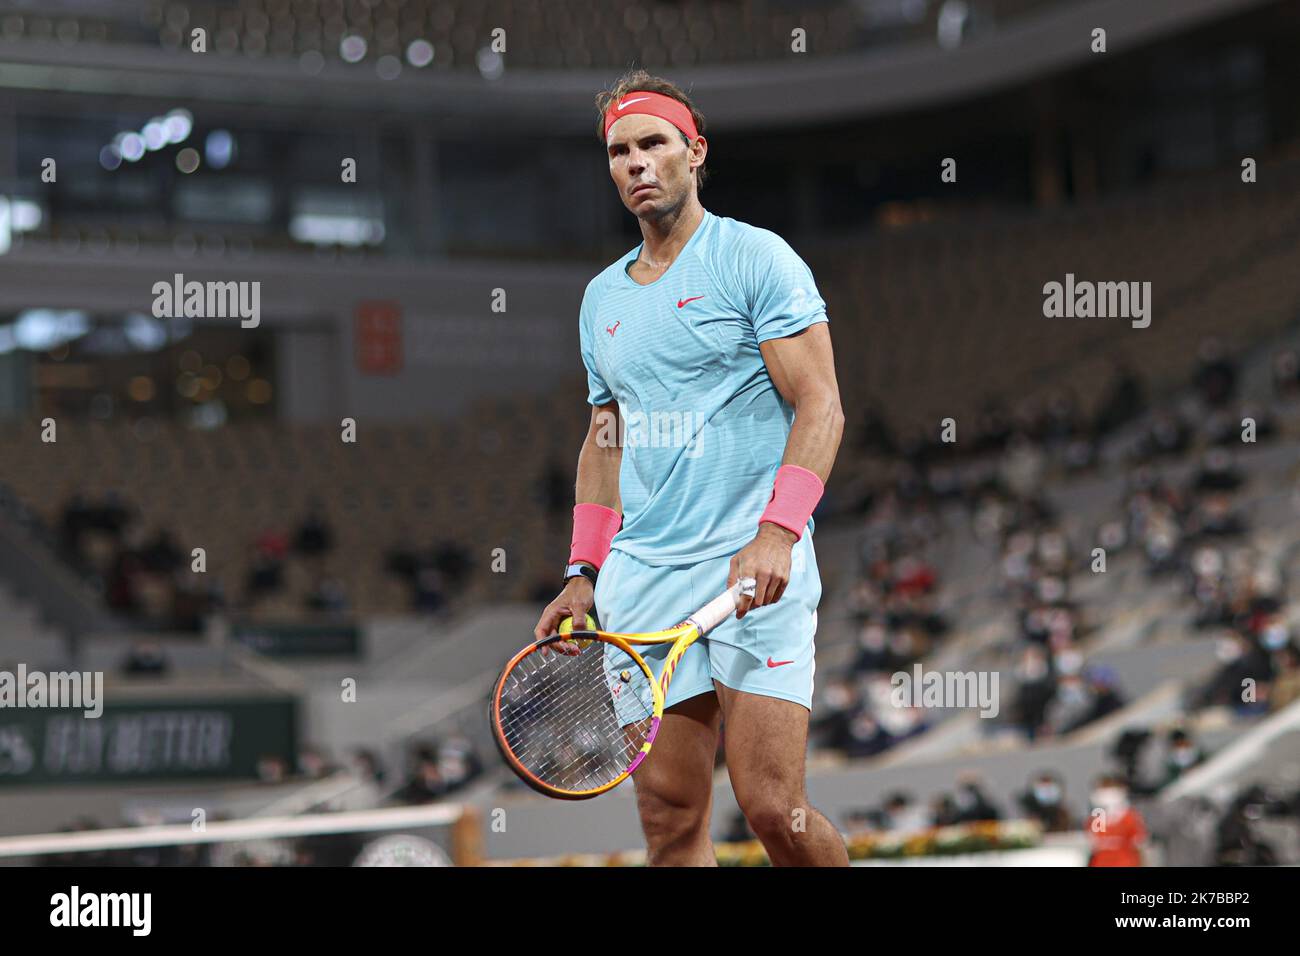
[802, 367]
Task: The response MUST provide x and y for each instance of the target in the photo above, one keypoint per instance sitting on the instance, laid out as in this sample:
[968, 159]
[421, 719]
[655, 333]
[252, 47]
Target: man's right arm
[599, 462]
[600, 459]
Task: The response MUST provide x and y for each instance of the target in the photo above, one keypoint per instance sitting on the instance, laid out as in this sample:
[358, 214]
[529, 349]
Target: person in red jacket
[1116, 829]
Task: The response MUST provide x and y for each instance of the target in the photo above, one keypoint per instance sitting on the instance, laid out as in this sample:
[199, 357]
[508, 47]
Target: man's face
[651, 164]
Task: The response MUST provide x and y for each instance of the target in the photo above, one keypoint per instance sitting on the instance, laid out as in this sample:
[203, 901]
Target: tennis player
[715, 421]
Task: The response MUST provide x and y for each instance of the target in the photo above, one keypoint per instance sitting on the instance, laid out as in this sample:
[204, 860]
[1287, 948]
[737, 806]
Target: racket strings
[569, 716]
[578, 721]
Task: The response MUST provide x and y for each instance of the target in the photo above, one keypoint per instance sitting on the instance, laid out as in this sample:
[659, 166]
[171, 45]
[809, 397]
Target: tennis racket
[576, 713]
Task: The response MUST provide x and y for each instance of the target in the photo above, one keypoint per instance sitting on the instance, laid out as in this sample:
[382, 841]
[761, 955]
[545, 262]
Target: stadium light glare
[219, 148]
[154, 134]
[41, 329]
[343, 230]
[132, 147]
[144, 332]
[24, 215]
[7, 341]
[420, 53]
[352, 48]
[110, 157]
[178, 124]
[491, 65]
[187, 160]
[951, 25]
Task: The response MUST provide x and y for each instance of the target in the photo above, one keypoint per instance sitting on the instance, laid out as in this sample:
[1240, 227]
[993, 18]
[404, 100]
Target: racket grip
[722, 606]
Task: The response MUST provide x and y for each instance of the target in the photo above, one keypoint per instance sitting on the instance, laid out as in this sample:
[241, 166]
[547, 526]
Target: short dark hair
[638, 79]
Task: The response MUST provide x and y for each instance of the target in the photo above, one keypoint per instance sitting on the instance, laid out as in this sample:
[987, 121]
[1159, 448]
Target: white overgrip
[722, 606]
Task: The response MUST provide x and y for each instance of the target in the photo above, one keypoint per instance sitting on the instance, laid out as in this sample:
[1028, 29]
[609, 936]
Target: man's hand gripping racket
[574, 714]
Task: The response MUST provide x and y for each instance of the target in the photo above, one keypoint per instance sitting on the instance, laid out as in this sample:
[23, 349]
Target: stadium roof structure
[796, 90]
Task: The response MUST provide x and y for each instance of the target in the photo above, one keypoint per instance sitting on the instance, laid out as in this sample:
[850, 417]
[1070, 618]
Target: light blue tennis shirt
[703, 427]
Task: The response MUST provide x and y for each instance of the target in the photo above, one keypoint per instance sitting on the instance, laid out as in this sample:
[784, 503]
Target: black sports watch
[586, 570]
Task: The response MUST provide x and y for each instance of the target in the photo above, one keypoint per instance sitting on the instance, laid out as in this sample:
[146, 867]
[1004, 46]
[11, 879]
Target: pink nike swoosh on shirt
[772, 663]
[682, 302]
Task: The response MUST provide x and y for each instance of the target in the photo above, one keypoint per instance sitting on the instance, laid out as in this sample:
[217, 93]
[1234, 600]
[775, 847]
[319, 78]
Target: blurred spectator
[1044, 800]
[458, 764]
[272, 543]
[452, 561]
[425, 785]
[161, 554]
[1182, 754]
[272, 769]
[1238, 843]
[328, 596]
[1286, 373]
[314, 536]
[972, 803]
[440, 769]
[1116, 829]
[1243, 665]
[1099, 697]
[1216, 376]
[1285, 689]
[313, 764]
[145, 658]
[366, 765]
[902, 814]
[1036, 690]
[429, 594]
[265, 576]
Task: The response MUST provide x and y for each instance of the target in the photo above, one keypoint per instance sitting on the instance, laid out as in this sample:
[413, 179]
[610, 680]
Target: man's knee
[773, 812]
[670, 814]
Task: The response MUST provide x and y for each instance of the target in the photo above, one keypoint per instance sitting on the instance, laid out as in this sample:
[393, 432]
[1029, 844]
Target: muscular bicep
[802, 365]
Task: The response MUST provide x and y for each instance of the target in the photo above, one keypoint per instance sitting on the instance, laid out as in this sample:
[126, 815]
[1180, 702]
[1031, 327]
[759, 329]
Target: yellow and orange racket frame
[681, 637]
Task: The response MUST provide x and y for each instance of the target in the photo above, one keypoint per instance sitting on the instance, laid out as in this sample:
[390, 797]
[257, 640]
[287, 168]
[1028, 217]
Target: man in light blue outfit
[715, 422]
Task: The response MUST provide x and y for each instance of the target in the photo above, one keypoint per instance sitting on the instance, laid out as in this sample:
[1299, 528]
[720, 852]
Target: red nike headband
[653, 104]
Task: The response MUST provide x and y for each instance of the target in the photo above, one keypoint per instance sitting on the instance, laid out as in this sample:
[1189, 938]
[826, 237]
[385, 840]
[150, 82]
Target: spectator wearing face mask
[1044, 800]
[1274, 634]
[1115, 828]
[1182, 755]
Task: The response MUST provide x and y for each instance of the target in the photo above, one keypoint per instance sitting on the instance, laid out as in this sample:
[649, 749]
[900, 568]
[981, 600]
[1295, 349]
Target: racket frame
[681, 637]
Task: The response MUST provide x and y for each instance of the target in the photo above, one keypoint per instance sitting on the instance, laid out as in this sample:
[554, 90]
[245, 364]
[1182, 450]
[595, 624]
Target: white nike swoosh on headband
[627, 103]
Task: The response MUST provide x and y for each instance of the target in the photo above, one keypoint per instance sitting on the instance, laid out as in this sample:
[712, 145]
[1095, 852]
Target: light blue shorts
[769, 652]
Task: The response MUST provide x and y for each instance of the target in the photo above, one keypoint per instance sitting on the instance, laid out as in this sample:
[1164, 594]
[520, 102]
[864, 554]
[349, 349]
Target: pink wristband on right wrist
[795, 494]
[594, 527]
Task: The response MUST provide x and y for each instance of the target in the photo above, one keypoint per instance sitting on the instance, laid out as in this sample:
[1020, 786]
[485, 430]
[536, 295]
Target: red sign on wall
[378, 338]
